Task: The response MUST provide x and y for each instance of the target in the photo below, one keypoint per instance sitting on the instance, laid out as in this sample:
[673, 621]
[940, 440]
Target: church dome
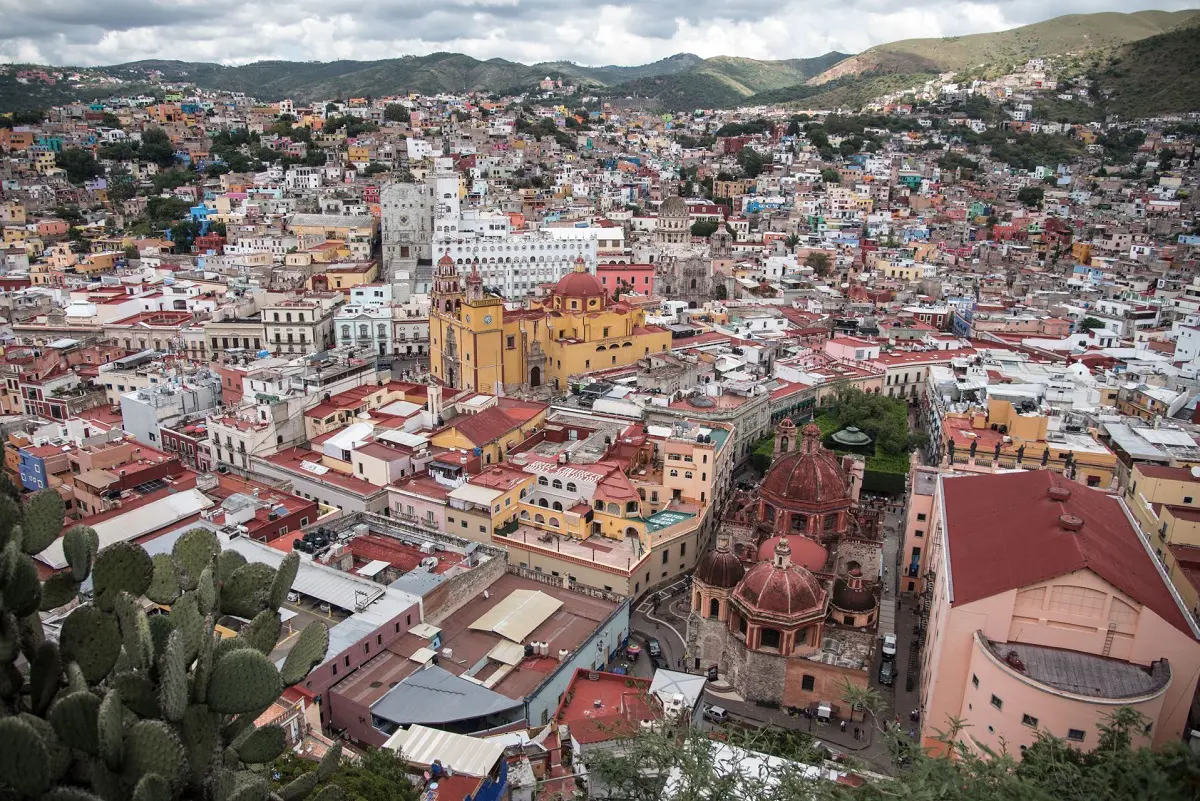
[853, 597]
[579, 283]
[810, 475]
[780, 588]
[720, 568]
[673, 206]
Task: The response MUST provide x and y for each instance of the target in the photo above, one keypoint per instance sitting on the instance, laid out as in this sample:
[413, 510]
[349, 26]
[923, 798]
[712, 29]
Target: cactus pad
[135, 631]
[186, 619]
[151, 746]
[243, 681]
[330, 792]
[22, 586]
[284, 578]
[329, 763]
[110, 733]
[248, 787]
[160, 629]
[152, 787]
[59, 590]
[262, 745]
[58, 755]
[43, 520]
[24, 760]
[164, 585]
[91, 638]
[245, 593]
[227, 563]
[200, 732]
[306, 653]
[298, 787]
[69, 793]
[263, 631]
[121, 567]
[10, 636]
[193, 552]
[80, 546]
[206, 591]
[138, 694]
[75, 719]
[10, 516]
[172, 679]
[45, 677]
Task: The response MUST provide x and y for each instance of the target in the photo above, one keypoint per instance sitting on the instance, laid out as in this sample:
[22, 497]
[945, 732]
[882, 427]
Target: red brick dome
[808, 475]
[579, 284]
[780, 588]
[720, 567]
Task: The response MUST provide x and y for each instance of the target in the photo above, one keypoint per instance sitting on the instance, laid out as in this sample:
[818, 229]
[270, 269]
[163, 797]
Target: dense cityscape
[605, 432]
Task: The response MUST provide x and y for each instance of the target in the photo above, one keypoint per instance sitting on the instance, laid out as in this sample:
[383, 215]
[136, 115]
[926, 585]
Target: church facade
[476, 343]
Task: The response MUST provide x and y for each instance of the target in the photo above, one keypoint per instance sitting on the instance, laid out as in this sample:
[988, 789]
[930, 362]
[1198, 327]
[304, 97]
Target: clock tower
[465, 331]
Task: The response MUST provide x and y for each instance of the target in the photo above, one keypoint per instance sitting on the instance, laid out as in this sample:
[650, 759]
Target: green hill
[1071, 33]
[1154, 76]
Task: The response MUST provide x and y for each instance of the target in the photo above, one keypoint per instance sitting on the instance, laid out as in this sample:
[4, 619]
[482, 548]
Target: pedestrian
[843, 726]
[912, 733]
[856, 732]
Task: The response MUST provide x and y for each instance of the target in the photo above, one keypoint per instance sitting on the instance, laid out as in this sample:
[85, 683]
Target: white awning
[509, 653]
[422, 655]
[516, 616]
[461, 753]
[372, 568]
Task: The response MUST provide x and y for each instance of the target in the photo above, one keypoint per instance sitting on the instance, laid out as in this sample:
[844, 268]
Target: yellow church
[475, 343]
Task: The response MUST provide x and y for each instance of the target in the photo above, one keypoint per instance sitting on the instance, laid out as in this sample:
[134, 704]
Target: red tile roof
[1004, 532]
[484, 427]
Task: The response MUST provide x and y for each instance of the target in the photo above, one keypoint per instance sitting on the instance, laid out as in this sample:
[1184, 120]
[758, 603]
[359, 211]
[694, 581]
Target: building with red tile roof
[1048, 611]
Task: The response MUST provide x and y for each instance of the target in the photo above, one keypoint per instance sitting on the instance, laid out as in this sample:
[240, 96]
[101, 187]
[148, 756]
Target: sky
[593, 32]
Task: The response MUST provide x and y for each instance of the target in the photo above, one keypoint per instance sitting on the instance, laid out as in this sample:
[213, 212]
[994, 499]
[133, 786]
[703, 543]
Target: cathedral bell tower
[447, 292]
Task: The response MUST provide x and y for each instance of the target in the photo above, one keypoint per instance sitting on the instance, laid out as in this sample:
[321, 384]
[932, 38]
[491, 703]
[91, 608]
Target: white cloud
[89, 32]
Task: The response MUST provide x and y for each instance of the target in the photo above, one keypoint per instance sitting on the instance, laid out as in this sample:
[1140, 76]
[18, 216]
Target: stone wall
[448, 597]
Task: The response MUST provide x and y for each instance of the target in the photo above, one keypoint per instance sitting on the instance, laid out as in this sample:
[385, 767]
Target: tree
[1090, 323]
[172, 179]
[883, 419]
[704, 228]
[819, 261]
[690, 765]
[117, 151]
[831, 176]
[183, 234]
[118, 704]
[80, 164]
[374, 168]
[156, 148]
[751, 162]
[120, 185]
[1031, 196]
[379, 775]
[394, 112]
[109, 120]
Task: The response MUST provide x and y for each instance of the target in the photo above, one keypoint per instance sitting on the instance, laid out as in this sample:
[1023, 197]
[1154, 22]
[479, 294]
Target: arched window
[539, 519]
[524, 514]
[345, 332]
[714, 607]
[831, 521]
[631, 507]
[556, 506]
[542, 482]
[599, 506]
[571, 486]
[688, 474]
[556, 484]
[542, 502]
[769, 638]
[613, 509]
[553, 522]
[674, 474]
[799, 522]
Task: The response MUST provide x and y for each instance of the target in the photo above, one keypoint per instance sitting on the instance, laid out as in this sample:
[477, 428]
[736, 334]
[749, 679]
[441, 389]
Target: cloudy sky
[90, 32]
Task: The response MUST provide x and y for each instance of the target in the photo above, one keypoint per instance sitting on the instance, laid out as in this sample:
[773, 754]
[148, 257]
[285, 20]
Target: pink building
[852, 349]
[1047, 611]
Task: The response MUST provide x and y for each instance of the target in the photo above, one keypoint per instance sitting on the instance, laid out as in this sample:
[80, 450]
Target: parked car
[887, 673]
[889, 646]
[715, 714]
[653, 648]
[660, 663]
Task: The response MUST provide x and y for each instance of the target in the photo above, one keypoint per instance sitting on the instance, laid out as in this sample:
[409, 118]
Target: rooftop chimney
[1070, 522]
[1059, 493]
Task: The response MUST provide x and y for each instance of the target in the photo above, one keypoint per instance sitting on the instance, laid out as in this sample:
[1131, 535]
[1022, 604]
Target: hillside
[1158, 75]
[1071, 33]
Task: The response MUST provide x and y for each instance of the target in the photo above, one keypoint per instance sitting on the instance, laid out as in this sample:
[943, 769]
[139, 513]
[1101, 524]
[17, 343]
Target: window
[1029, 720]
[975, 681]
[919, 533]
[996, 702]
[1076, 735]
[920, 515]
[808, 682]
[1187, 498]
[666, 555]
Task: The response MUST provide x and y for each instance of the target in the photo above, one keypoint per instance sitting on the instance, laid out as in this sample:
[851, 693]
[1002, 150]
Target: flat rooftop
[1082, 673]
[617, 554]
[568, 627]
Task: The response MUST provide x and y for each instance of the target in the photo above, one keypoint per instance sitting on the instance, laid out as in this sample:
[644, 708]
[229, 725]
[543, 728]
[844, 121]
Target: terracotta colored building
[1046, 611]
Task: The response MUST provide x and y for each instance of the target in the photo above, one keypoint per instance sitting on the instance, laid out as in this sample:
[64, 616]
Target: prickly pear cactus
[129, 706]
